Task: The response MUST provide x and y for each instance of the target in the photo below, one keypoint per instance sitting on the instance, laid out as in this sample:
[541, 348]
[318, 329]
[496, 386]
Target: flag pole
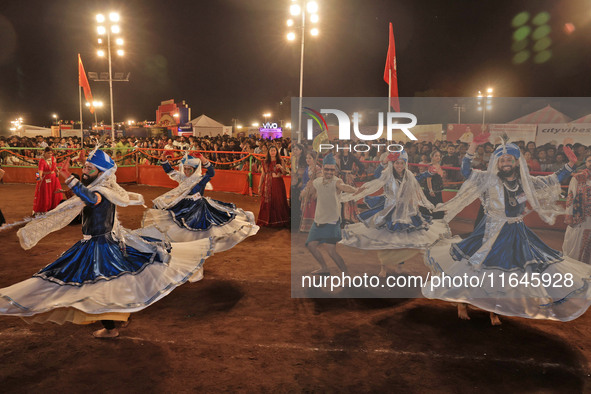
[80, 101]
[389, 89]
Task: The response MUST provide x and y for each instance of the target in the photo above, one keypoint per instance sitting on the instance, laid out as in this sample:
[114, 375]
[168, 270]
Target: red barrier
[223, 181]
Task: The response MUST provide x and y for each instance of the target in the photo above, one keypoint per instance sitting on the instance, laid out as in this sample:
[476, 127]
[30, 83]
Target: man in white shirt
[327, 218]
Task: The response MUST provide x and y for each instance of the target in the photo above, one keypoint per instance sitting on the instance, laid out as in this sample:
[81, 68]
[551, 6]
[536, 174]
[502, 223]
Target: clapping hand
[572, 158]
[65, 169]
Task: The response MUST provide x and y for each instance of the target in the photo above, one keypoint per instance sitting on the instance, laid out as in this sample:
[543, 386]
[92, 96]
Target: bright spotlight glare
[120, 52]
[314, 18]
[294, 9]
[115, 29]
[119, 41]
[100, 52]
[314, 31]
[312, 7]
[101, 30]
[100, 18]
[114, 17]
[291, 36]
[290, 22]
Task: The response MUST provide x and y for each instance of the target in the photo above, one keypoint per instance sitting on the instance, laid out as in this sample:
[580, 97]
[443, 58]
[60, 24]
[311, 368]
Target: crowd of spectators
[224, 151]
[547, 158]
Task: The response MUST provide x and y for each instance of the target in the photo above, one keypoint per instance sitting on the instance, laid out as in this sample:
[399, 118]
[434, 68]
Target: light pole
[295, 9]
[460, 108]
[95, 104]
[485, 103]
[110, 26]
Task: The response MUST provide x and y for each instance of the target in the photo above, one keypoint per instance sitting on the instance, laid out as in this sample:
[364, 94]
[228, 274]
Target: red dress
[46, 197]
[274, 211]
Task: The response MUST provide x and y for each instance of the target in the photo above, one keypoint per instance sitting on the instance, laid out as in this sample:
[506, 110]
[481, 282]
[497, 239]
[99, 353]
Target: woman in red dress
[274, 211]
[47, 195]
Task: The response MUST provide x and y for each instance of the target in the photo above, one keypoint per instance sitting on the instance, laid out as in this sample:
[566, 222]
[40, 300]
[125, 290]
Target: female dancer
[274, 211]
[184, 214]
[47, 196]
[394, 221]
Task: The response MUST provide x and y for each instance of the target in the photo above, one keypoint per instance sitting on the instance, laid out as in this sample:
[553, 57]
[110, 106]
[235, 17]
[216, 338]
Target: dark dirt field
[239, 330]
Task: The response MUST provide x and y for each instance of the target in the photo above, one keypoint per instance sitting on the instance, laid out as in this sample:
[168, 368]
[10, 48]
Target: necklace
[345, 159]
[511, 191]
[509, 188]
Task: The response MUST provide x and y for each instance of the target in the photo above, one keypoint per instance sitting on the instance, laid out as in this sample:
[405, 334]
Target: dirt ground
[239, 330]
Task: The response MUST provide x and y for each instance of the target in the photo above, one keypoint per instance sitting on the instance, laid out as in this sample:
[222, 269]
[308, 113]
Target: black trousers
[108, 324]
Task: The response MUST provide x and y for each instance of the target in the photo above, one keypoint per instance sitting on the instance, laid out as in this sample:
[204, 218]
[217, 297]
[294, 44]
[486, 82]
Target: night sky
[230, 58]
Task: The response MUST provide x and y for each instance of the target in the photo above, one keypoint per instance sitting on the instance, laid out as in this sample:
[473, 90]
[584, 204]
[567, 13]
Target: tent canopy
[546, 115]
[206, 126]
[205, 121]
[584, 119]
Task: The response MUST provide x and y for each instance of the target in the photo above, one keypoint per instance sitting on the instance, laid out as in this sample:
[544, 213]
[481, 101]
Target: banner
[516, 132]
[563, 133]
[424, 132]
[464, 132]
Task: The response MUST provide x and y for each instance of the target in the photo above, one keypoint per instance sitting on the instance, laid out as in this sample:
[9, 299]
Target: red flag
[391, 66]
[83, 82]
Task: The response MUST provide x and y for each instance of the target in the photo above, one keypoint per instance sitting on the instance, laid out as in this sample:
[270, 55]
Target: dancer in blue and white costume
[502, 245]
[185, 215]
[112, 271]
[394, 225]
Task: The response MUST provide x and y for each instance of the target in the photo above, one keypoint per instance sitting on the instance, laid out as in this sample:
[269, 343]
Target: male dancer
[111, 272]
[502, 245]
[326, 228]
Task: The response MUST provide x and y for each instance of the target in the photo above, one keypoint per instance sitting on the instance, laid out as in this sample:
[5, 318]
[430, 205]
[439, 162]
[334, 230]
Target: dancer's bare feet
[320, 272]
[126, 322]
[463, 312]
[494, 319]
[383, 272]
[104, 333]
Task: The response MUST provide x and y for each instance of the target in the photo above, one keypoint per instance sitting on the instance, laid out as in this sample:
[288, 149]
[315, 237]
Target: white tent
[545, 115]
[204, 125]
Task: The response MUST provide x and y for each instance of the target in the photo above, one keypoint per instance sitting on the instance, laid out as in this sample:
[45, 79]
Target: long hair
[302, 158]
[278, 159]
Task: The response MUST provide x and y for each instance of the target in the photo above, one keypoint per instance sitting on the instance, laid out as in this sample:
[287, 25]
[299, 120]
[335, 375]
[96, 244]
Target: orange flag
[391, 67]
[83, 82]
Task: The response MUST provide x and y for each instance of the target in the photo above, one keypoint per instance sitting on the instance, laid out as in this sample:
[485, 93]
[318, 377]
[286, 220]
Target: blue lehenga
[108, 274]
[393, 220]
[99, 258]
[504, 266]
[185, 215]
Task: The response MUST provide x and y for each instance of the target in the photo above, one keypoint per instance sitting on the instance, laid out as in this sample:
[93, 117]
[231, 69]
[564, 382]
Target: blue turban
[191, 161]
[509, 149]
[329, 159]
[101, 160]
